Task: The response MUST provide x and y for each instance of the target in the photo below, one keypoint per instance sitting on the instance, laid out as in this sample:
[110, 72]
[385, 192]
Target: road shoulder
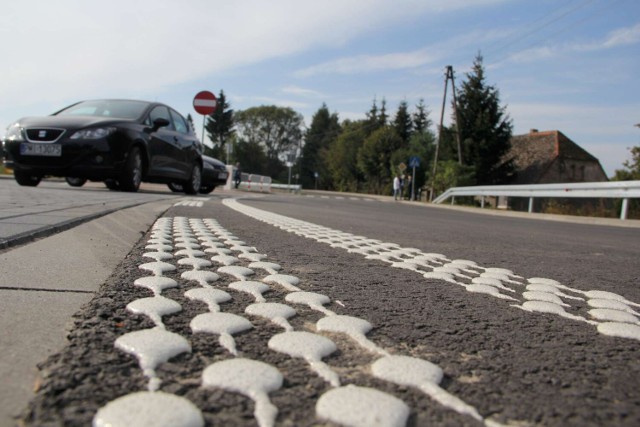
[38, 300]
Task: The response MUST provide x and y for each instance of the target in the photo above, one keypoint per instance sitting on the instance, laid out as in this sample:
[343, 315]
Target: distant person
[397, 187]
[237, 176]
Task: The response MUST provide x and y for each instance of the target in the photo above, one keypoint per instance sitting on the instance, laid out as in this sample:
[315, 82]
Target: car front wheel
[26, 179]
[75, 181]
[112, 184]
[176, 188]
[192, 185]
[132, 173]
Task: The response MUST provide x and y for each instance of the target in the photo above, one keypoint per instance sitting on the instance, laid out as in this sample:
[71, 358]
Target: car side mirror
[159, 123]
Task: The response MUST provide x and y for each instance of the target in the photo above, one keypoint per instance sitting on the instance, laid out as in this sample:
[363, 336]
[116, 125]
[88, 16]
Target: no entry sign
[205, 103]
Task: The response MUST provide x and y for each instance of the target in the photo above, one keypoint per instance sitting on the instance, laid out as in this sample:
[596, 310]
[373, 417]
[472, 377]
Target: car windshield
[112, 108]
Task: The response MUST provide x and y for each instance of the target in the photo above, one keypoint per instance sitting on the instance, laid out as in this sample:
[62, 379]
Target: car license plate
[222, 175]
[49, 150]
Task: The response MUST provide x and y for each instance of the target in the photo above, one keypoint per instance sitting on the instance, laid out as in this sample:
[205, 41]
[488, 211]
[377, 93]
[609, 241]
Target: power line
[597, 12]
[535, 29]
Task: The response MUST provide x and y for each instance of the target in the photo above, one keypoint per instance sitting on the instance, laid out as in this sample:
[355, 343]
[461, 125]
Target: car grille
[44, 134]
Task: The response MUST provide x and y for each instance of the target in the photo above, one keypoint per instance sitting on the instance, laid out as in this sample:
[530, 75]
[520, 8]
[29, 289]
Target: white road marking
[349, 405]
[273, 311]
[223, 324]
[154, 308]
[311, 347]
[149, 409]
[211, 297]
[422, 375]
[489, 282]
[156, 284]
[313, 300]
[362, 407]
[252, 378]
[353, 327]
[152, 347]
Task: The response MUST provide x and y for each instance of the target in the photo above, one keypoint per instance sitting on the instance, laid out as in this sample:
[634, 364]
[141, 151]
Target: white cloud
[303, 92]
[616, 38]
[69, 49]
[368, 63]
[622, 37]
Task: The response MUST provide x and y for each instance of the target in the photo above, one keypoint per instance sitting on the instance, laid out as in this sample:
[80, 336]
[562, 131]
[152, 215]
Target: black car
[214, 173]
[120, 142]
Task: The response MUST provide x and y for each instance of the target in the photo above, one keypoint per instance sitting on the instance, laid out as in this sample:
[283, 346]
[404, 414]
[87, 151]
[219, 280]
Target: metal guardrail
[287, 187]
[624, 190]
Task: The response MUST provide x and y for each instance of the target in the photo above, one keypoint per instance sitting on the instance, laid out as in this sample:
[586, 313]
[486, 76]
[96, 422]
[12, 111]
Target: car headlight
[95, 133]
[14, 132]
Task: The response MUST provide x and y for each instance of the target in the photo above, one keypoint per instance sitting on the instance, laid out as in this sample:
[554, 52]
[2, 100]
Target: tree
[383, 117]
[324, 129]
[220, 127]
[452, 174]
[485, 129]
[374, 159]
[277, 129]
[631, 171]
[342, 157]
[250, 155]
[421, 121]
[403, 123]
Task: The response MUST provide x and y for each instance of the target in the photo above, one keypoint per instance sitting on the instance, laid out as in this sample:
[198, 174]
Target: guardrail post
[625, 207]
[453, 200]
[482, 202]
[530, 204]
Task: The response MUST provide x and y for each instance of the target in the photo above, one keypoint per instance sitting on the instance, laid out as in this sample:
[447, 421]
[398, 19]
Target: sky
[567, 65]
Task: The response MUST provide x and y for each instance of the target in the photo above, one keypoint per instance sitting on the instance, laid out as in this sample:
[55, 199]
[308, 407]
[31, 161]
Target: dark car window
[179, 122]
[160, 112]
[108, 108]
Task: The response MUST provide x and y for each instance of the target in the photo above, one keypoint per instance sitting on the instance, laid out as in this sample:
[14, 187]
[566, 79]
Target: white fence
[624, 190]
[249, 182]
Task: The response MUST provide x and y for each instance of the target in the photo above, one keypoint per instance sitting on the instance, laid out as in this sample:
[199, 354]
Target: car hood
[69, 122]
[213, 161]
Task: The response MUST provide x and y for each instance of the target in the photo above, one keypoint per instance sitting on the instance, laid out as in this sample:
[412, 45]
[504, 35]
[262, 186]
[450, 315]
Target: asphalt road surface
[287, 310]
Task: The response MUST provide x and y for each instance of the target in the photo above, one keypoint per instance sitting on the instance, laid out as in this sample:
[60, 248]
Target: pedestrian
[237, 176]
[396, 187]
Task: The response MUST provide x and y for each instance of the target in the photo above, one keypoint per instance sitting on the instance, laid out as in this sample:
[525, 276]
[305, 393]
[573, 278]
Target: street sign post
[204, 103]
[414, 162]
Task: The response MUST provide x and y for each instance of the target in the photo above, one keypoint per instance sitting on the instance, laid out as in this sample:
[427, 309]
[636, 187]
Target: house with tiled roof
[551, 157]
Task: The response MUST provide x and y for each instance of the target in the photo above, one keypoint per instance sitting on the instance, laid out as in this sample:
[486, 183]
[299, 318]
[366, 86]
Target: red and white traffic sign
[205, 103]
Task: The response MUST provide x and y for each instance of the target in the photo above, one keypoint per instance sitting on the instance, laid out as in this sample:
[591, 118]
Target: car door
[187, 142]
[165, 150]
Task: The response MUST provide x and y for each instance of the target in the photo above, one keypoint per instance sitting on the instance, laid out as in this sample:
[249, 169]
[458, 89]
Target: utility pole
[448, 75]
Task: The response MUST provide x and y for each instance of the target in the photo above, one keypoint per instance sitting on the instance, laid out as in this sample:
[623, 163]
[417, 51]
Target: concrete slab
[38, 298]
[33, 327]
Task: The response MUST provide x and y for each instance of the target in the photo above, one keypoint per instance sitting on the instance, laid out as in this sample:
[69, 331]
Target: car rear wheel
[75, 181]
[207, 189]
[192, 185]
[112, 184]
[176, 188]
[26, 179]
[132, 173]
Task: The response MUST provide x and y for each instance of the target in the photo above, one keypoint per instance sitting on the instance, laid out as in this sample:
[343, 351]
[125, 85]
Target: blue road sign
[414, 162]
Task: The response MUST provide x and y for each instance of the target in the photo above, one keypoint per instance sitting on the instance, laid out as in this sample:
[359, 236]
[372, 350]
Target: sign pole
[203, 117]
[413, 185]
